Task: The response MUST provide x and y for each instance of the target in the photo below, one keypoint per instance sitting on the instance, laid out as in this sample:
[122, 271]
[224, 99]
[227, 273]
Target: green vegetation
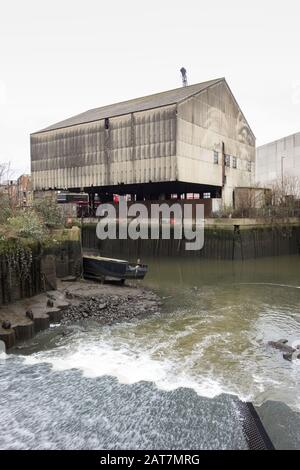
[29, 223]
[49, 212]
[5, 209]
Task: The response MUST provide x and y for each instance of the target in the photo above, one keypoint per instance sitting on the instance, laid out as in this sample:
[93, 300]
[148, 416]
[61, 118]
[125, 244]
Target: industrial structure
[278, 160]
[194, 139]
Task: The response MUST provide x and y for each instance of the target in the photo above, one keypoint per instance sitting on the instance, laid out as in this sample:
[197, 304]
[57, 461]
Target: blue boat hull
[104, 269]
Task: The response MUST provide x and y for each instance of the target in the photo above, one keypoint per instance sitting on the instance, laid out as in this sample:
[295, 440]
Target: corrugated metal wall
[136, 148]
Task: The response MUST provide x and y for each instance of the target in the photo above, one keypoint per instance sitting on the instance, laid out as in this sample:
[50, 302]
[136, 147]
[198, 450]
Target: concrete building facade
[194, 139]
[278, 160]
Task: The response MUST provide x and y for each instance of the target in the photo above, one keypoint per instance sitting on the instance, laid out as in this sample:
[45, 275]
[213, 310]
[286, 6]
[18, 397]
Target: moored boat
[111, 269]
[104, 269]
[136, 271]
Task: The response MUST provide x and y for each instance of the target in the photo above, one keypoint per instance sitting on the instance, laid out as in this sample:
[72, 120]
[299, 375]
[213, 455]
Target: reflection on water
[210, 338]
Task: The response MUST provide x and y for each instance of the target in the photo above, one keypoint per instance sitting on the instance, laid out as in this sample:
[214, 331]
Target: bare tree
[285, 190]
[251, 201]
[6, 172]
[286, 197]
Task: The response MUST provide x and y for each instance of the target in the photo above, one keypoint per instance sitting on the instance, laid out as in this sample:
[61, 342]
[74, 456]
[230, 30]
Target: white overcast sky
[61, 57]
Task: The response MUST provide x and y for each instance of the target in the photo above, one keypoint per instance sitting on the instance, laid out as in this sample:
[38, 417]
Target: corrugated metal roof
[138, 104]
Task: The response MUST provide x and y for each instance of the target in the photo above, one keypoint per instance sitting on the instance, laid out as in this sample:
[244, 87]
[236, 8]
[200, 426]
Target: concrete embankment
[72, 302]
[234, 239]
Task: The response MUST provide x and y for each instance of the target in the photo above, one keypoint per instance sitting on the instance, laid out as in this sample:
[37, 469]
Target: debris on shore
[289, 352]
[78, 301]
[109, 308]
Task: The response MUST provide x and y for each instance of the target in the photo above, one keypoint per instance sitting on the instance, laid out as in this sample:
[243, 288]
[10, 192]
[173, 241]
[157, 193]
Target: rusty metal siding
[136, 148]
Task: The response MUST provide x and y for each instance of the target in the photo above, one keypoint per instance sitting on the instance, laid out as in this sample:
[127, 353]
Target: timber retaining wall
[233, 242]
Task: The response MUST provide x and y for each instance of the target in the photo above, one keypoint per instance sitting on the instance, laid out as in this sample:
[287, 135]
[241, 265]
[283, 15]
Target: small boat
[136, 271]
[110, 269]
[104, 269]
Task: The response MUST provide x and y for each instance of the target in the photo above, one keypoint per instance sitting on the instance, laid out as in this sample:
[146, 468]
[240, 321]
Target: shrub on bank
[27, 224]
[32, 223]
[5, 208]
[49, 212]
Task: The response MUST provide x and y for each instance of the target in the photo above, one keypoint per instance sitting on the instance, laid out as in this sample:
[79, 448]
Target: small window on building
[206, 195]
[227, 160]
[234, 162]
[216, 158]
[249, 166]
[106, 123]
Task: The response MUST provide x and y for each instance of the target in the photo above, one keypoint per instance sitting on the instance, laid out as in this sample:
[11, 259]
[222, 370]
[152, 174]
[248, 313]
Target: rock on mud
[289, 353]
[109, 308]
[282, 346]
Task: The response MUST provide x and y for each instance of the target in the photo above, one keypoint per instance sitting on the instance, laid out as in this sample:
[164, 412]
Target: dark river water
[171, 380]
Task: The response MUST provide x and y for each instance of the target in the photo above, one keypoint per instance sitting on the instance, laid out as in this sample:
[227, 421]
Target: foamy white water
[175, 353]
[129, 365]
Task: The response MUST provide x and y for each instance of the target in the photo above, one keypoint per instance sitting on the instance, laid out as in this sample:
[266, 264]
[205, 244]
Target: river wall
[229, 241]
[29, 268]
[20, 271]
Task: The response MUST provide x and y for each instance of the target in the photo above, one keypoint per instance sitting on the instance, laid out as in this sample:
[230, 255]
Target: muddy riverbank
[73, 302]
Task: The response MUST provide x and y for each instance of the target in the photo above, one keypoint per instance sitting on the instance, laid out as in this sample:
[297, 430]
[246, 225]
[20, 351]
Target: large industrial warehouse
[194, 139]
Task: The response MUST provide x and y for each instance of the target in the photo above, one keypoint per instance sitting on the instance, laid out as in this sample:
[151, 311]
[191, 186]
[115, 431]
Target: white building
[278, 160]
